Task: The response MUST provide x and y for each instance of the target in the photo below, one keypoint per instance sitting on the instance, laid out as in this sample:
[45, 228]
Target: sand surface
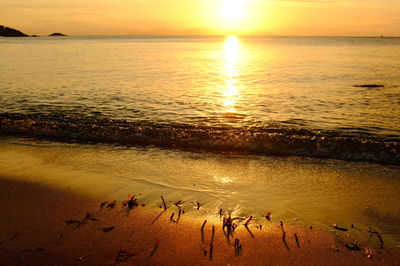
[33, 231]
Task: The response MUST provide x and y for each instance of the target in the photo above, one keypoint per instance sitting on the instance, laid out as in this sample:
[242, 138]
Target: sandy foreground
[33, 231]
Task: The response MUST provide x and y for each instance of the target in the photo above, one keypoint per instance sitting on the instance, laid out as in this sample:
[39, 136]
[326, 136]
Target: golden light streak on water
[231, 91]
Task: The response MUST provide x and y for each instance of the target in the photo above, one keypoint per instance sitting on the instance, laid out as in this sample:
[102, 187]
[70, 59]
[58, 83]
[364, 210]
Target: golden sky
[280, 17]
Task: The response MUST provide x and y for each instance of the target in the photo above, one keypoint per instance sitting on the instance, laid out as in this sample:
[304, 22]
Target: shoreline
[33, 230]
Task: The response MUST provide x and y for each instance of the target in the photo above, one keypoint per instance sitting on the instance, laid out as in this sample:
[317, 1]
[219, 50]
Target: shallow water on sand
[295, 190]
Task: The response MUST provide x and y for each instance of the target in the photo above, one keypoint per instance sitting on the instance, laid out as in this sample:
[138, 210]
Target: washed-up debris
[68, 222]
[284, 239]
[87, 218]
[165, 205]
[108, 229]
[248, 231]
[111, 204]
[205, 252]
[297, 240]
[83, 257]
[368, 253]
[102, 204]
[339, 228]
[268, 216]
[123, 256]
[90, 217]
[228, 223]
[198, 205]
[374, 232]
[202, 227]
[212, 242]
[33, 250]
[202, 231]
[380, 238]
[248, 221]
[238, 247]
[220, 212]
[156, 243]
[352, 246]
[177, 203]
[172, 218]
[132, 202]
[84, 221]
[179, 215]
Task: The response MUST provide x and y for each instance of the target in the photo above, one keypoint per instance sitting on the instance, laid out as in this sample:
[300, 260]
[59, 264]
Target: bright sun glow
[232, 10]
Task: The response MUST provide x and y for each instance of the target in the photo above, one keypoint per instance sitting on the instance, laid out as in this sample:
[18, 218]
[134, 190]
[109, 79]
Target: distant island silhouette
[10, 32]
[57, 34]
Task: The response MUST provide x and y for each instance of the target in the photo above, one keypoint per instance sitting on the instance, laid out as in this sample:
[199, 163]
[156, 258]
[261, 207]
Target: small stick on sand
[179, 215]
[202, 227]
[108, 229]
[68, 222]
[268, 216]
[112, 204]
[248, 221]
[380, 238]
[198, 205]
[83, 257]
[212, 242]
[202, 231]
[165, 205]
[297, 240]
[123, 256]
[33, 250]
[156, 242]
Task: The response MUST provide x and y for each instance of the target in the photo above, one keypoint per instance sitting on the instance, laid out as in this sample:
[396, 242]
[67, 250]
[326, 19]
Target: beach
[34, 231]
[296, 136]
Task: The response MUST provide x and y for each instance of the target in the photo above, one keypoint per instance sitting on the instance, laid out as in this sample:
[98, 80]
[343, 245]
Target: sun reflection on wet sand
[231, 90]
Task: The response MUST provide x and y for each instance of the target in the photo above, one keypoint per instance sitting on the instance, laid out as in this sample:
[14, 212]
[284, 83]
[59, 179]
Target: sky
[247, 17]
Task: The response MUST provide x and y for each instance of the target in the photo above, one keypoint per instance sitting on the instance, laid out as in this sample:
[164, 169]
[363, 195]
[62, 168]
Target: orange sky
[280, 17]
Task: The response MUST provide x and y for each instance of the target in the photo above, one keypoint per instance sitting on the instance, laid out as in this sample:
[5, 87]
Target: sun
[232, 11]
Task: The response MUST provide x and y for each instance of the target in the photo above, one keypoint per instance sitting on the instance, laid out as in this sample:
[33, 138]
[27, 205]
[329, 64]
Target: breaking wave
[274, 139]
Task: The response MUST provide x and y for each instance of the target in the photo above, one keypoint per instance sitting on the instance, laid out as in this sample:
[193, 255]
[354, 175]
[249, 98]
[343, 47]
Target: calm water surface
[301, 81]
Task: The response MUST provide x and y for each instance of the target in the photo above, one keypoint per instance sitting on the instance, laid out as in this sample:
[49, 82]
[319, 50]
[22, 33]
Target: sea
[307, 128]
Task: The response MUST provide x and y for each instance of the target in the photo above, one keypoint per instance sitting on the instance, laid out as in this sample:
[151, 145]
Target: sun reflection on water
[231, 90]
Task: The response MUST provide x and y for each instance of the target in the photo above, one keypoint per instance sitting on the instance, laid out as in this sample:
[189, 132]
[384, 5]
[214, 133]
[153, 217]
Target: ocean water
[304, 127]
[267, 95]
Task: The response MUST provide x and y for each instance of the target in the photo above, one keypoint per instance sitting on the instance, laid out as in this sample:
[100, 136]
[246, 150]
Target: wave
[274, 139]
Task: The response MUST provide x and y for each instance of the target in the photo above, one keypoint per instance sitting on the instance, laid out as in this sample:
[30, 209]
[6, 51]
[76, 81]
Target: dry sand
[33, 232]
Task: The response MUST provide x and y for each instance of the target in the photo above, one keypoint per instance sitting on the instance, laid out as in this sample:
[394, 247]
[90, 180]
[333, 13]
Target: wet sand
[33, 230]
